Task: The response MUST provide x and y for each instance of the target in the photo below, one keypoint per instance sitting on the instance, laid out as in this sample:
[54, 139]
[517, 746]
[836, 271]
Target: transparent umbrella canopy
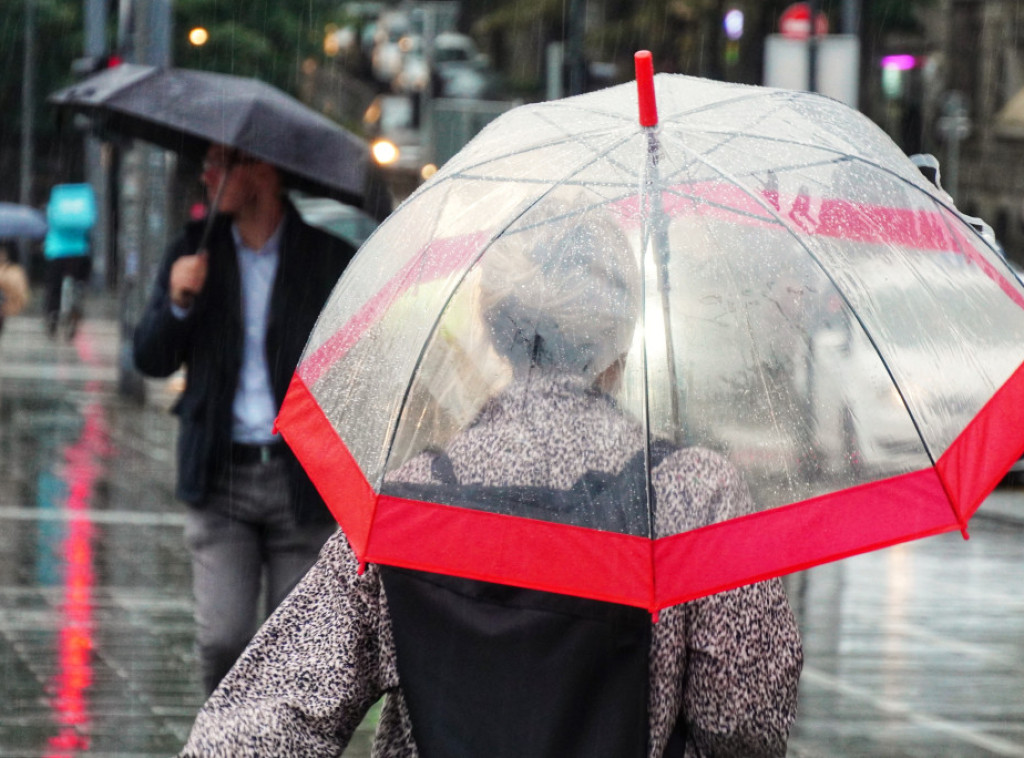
[791, 294]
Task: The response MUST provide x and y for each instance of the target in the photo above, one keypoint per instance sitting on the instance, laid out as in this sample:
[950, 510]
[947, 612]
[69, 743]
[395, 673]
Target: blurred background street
[912, 652]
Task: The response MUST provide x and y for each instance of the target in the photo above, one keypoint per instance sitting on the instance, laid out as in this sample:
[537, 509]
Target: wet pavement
[911, 652]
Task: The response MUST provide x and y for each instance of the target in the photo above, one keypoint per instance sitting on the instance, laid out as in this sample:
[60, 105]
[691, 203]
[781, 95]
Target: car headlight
[385, 152]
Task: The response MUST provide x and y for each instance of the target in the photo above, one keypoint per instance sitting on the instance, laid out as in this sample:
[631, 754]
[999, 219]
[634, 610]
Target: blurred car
[460, 70]
[469, 81]
[452, 47]
[391, 42]
[392, 122]
[345, 221]
[863, 425]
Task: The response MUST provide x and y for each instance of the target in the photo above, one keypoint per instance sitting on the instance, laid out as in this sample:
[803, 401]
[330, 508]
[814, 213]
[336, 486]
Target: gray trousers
[242, 540]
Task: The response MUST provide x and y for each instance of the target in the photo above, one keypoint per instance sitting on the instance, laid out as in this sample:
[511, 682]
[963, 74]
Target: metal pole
[95, 175]
[574, 49]
[426, 98]
[850, 17]
[952, 178]
[812, 47]
[145, 34]
[28, 107]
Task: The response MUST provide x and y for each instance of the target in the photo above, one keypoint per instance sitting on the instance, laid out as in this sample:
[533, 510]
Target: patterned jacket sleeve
[311, 673]
[737, 655]
[745, 656]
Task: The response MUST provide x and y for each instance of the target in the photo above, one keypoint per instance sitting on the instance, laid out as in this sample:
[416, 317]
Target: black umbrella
[21, 221]
[185, 110]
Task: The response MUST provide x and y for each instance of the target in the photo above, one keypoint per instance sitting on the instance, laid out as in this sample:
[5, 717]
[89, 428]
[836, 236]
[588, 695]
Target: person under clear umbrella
[476, 669]
[236, 310]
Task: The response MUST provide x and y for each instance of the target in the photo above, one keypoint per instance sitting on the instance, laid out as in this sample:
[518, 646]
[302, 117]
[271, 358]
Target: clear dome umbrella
[759, 274]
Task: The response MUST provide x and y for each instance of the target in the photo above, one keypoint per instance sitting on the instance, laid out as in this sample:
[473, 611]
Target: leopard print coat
[728, 663]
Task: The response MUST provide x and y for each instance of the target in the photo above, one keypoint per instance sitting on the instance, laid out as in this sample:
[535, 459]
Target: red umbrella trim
[622, 568]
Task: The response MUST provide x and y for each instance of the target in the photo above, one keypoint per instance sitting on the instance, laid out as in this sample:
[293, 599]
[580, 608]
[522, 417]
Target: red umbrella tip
[645, 88]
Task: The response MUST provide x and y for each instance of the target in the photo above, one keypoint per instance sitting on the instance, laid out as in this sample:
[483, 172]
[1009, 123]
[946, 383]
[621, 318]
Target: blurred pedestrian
[70, 217]
[236, 311]
[14, 290]
[475, 669]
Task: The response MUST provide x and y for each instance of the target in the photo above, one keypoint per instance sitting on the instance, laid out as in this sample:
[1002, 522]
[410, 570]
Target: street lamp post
[812, 47]
[145, 35]
[955, 126]
[96, 174]
[28, 107]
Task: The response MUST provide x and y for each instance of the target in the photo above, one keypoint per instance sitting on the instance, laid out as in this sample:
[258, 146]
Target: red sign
[795, 22]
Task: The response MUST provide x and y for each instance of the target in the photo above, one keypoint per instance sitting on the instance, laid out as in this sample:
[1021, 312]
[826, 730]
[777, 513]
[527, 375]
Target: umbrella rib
[466, 172]
[784, 99]
[786, 96]
[527, 180]
[797, 143]
[772, 211]
[465, 272]
[715, 204]
[540, 112]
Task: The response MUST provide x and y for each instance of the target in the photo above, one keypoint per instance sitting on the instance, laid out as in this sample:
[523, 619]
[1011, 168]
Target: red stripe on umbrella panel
[918, 229]
[512, 550]
[913, 229]
[328, 463]
[439, 258]
[795, 537]
[859, 222]
[831, 217]
[983, 452]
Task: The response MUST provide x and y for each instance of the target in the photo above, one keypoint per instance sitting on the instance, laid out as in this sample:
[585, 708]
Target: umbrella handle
[214, 205]
[204, 238]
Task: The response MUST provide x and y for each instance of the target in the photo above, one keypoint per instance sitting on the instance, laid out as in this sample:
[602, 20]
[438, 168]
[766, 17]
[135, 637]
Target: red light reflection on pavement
[73, 679]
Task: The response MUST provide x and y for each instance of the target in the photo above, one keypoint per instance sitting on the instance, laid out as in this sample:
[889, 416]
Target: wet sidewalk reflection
[95, 618]
[916, 651]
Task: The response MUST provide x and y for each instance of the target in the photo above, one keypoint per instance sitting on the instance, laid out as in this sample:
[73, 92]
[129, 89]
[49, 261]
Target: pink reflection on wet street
[74, 676]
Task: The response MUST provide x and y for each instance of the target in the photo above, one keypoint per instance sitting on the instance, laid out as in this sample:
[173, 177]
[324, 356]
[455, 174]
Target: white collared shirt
[254, 408]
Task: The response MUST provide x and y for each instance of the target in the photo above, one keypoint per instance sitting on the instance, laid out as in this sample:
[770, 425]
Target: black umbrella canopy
[184, 110]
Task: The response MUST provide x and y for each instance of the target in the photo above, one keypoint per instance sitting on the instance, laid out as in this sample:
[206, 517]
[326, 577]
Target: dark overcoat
[208, 342]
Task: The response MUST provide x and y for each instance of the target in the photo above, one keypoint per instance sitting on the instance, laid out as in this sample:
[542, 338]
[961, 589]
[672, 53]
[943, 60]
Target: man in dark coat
[237, 314]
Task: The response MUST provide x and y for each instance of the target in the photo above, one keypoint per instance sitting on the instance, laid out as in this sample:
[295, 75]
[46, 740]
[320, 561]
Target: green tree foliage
[271, 40]
[895, 15]
[267, 39]
[58, 41]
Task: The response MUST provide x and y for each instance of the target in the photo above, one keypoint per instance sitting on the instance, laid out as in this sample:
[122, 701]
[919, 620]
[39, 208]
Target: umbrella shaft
[657, 240]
